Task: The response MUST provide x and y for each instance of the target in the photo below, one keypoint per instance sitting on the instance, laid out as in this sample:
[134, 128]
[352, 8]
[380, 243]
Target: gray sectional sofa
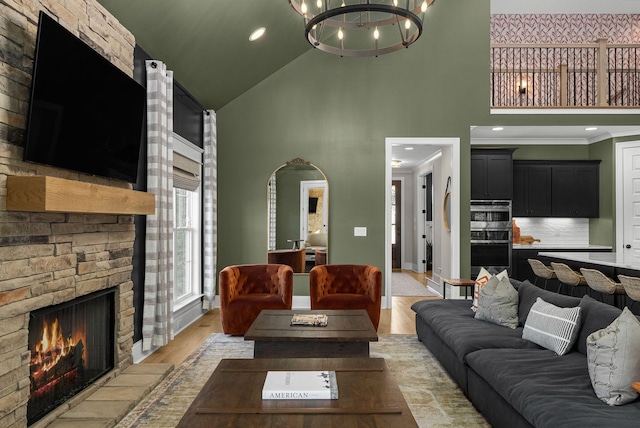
[512, 381]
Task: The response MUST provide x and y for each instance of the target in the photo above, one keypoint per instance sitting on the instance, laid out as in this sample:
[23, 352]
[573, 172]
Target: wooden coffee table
[347, 334]
[232, 397]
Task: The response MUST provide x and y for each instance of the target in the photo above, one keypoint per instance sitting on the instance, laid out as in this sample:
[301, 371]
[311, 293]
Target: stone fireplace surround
[49, 258]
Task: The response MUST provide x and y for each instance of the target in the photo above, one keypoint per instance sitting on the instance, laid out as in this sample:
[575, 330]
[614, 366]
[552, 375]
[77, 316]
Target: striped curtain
[157, 319]
[210, 188]
[272, 212]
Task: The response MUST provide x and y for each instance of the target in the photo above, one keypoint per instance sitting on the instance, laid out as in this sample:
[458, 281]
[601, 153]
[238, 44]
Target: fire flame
[52, 347]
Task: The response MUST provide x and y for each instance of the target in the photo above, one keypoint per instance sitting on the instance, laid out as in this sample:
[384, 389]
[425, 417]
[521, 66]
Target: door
[631, 204]
[396, 224]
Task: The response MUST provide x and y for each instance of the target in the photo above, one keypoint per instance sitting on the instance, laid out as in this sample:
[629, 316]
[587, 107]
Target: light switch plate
[359, 231]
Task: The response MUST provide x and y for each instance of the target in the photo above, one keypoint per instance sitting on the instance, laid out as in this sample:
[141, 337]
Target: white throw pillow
[613, 358]
[552, 327]
[498, 303]
[481, 280]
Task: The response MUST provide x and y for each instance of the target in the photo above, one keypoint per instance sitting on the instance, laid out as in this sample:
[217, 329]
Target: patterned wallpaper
[565, 28]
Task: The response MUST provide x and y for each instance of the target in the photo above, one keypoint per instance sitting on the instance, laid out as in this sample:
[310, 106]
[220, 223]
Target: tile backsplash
[552, 231]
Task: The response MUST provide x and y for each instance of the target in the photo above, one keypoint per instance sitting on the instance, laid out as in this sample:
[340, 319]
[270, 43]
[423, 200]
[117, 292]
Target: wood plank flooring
[399, 319]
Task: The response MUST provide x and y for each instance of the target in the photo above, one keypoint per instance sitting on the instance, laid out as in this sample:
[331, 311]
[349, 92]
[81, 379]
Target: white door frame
[619, 244]
[455, 204]
[305, 186]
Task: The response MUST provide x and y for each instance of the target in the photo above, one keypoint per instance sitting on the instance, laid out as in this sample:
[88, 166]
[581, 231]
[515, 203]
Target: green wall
[336, 113]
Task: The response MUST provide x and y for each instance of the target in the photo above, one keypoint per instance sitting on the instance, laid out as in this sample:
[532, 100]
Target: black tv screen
[85, 114]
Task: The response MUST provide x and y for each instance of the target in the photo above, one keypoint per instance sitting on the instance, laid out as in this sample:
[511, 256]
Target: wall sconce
[522, 88]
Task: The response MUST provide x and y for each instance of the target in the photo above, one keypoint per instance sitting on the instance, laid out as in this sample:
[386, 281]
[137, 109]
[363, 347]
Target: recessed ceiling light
[497, 128]
[591, 128]
[408, 148]
[257, 34]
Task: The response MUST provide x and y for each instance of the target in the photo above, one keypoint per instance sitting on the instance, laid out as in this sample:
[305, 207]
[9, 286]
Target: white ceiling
[514, 136]
[564, 6]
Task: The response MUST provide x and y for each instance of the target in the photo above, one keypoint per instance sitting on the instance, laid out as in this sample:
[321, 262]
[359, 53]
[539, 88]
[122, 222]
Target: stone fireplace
[49, 258]
[71, 345]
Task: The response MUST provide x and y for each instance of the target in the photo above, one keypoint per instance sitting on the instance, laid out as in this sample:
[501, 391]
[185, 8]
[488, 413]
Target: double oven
[491, 242]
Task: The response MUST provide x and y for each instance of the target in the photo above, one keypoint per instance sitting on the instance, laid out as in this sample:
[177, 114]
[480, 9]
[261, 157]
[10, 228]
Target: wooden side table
[459, 282]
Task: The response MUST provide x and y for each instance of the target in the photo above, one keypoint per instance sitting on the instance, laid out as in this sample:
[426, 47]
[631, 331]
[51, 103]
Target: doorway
[427, 216]
[447, 244]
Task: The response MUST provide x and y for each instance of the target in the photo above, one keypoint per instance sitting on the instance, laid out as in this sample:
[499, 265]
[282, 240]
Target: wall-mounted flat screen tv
[85, 114]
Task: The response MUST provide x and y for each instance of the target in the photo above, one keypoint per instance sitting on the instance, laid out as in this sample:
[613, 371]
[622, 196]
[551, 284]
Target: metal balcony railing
[565, 76]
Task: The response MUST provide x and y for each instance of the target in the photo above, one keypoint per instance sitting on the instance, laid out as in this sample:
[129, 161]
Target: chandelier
[362, 27]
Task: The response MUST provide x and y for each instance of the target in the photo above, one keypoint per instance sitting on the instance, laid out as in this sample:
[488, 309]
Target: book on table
[314, 320]
[300, 385]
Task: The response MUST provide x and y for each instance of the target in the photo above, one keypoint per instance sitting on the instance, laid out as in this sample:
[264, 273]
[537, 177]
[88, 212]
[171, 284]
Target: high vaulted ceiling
[206, 42]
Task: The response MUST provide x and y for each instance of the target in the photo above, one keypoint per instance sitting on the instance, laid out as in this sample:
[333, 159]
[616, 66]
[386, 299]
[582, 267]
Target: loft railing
[566, 76]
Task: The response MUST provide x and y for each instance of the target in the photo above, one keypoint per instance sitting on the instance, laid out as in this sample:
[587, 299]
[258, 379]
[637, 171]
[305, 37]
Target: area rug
[403, 284]
[434, 399]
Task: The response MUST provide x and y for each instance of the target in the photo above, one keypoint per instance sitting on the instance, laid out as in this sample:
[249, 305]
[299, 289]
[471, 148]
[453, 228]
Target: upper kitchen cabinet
[531, 189]
[491, 174]
[576, 189]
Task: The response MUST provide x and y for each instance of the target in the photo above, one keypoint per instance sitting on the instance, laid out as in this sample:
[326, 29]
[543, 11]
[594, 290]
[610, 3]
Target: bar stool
[541, 271]
[631, 285]
[568, 276]
[601, 283]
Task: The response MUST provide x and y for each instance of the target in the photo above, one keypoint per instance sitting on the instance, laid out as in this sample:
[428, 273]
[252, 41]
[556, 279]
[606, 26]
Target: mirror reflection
[298, 201]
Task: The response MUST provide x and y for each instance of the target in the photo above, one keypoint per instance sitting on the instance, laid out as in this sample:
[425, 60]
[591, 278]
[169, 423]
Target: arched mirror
[298, 211]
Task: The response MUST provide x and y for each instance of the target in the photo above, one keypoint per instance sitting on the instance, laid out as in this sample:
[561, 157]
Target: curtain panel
[210, 192]
[157, 322]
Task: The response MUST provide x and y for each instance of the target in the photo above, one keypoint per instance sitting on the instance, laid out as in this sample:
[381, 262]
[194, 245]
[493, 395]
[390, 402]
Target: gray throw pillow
[498, 302]
[552, 327]
[612, 358]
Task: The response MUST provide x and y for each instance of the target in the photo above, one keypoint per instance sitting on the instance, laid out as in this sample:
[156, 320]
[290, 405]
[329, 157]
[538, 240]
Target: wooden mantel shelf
[51, 194]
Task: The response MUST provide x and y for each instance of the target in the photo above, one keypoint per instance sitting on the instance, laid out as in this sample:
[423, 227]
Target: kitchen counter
[614, 260]
[567, 247]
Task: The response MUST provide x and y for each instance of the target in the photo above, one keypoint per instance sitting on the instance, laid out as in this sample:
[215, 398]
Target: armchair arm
[285, 284]
[227, 284]
[374, 283]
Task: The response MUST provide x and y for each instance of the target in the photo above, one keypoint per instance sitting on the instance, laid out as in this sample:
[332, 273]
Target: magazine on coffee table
[300, 385]
[313, 320]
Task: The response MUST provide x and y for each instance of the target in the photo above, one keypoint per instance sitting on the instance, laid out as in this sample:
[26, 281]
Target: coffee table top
[368, 396]
[342, 326]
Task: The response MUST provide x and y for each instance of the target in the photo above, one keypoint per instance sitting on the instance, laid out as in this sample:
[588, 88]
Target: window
[187, 207]
[186, 244]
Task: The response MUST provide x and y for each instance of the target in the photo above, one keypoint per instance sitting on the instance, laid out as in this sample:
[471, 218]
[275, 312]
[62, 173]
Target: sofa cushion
[498, 303]
[482, 278]
[528, 293]
[613, 358]
[548, 390]
[595, 316]
[552, 327]
[453, 321]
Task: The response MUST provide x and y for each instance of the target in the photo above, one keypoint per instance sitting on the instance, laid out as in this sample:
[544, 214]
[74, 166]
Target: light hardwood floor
[399, 319]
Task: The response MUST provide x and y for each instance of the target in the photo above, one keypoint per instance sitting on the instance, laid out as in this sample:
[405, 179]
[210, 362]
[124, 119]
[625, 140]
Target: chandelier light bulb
[424, 6]
[407, 24]
[343, 5]
[303, 7]
[319, 3]
[395, 2]
[340, 34]
[376, 34]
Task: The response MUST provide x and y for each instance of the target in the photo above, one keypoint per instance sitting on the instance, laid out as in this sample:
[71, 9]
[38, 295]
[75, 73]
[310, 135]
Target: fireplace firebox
[71, 345]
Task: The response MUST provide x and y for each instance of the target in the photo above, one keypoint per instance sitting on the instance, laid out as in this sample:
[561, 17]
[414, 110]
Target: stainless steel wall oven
[490, 235]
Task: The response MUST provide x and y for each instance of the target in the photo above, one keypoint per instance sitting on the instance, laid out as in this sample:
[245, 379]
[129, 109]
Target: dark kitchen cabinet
[576, 190]
[531, 190]
[491, 174]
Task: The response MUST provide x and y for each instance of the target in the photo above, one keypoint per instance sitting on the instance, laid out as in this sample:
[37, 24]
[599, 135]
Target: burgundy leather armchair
[245, 290]
[347, 287]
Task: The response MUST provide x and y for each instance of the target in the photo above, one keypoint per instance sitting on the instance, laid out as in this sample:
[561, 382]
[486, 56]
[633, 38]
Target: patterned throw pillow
[498, 303]
[612, 358]
[552, 327]
[481, 280]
